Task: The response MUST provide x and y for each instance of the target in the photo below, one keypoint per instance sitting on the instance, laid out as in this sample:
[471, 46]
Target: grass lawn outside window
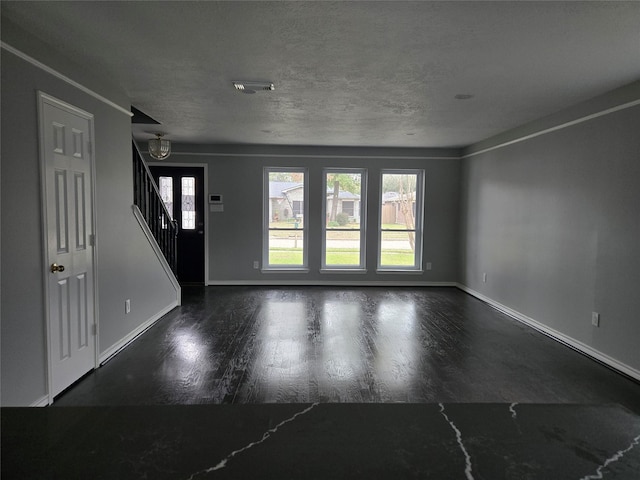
[288, 256]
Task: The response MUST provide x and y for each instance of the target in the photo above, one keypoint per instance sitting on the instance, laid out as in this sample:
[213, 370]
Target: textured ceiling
[346, 73]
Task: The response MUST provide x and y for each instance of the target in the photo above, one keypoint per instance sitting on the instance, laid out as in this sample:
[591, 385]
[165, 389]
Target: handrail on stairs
[147, 197]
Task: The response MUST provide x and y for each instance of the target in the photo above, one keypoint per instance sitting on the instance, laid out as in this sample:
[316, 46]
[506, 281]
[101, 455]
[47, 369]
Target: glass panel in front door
[188, 203]
[165, 185]
[166, 193]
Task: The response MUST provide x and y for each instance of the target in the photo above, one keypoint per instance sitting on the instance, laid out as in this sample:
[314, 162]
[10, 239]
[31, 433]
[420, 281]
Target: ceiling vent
[253, 87]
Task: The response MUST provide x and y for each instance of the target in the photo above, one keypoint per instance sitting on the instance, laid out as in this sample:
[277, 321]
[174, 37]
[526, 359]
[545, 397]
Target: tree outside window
[343, 239]
[285, 212]
[401, 219]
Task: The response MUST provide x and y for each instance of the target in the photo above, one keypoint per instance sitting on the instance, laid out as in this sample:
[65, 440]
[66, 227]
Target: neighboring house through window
[401, 214]
[343, 244]
[285, 220]
[285, 229]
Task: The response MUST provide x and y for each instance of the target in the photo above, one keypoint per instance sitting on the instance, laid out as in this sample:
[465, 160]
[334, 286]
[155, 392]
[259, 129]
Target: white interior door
[66, 137]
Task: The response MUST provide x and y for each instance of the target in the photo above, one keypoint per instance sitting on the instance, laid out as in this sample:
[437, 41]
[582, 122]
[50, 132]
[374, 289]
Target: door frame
[205, 210]
[43, 98]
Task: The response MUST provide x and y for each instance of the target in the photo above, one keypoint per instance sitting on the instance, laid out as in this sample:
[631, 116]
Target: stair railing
[147, 198]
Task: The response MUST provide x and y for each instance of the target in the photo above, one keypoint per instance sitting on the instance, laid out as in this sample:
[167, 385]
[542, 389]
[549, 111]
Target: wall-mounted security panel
[215, 198]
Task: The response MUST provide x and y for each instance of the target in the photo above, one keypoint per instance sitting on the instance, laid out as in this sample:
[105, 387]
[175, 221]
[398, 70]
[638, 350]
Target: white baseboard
[42, 402]
[109, 353]
[556, 335]
[329, 283]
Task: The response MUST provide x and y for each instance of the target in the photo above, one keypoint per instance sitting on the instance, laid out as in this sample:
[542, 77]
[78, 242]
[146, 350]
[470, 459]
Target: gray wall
[554, 223]
[235, 236]
[552, 220]
[126, 265]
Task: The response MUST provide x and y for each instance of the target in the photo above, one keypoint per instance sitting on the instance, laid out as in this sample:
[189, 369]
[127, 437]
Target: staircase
[147, 198]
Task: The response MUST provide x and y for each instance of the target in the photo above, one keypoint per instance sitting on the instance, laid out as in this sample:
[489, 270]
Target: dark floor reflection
[332, 344]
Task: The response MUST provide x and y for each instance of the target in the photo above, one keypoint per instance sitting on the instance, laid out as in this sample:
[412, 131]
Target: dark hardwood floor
[345, 345]
[405, 382]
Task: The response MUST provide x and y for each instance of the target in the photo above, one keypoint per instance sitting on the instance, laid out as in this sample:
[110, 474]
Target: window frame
[417, 267]
[167, 204]
[333, 268]
[266, 229]
[190, 220]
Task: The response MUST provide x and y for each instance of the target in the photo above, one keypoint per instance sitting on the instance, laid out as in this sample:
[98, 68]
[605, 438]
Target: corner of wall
[548, 216]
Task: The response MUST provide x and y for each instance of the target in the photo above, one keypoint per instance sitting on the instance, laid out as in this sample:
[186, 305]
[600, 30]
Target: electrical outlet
[595, 319]
[484, 278]
[256, 264]
[127, 305]
[428, 265]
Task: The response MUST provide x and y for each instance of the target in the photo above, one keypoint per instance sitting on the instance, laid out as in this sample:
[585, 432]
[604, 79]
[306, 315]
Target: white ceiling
[345, 73]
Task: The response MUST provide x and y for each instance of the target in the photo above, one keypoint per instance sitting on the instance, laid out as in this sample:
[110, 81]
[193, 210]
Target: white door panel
[66, 136]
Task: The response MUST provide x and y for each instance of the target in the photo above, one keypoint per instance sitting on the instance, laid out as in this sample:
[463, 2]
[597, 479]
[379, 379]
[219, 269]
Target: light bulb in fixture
[159, 148]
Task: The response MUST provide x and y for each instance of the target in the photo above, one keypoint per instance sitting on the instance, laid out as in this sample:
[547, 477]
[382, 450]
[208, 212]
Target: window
[165, 185]
[344, 219]
[166, 193]
[297, 208]
[347, 207]
[285, 212]
[401, 213]
[188, 203]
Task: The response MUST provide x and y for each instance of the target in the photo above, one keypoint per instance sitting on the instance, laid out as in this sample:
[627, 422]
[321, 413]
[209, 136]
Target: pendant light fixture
[159, 149]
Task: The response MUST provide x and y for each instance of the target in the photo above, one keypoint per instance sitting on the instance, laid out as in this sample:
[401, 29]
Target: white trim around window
[394, 204]
[285, 232]
[353, 206]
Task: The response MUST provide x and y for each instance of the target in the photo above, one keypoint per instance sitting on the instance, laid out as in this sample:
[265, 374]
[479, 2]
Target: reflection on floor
[246, 382]
[322, 441]
[359, 345]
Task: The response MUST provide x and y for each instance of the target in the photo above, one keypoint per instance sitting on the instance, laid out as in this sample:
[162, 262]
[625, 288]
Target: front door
[66, 138]
[182, 190]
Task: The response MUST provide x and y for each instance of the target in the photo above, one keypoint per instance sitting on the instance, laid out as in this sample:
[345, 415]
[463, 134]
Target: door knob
[56, 268]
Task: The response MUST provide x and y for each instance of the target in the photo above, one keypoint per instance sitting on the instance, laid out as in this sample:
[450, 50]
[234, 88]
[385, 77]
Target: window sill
[384, 271]
[285, 270]
[343, 270]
